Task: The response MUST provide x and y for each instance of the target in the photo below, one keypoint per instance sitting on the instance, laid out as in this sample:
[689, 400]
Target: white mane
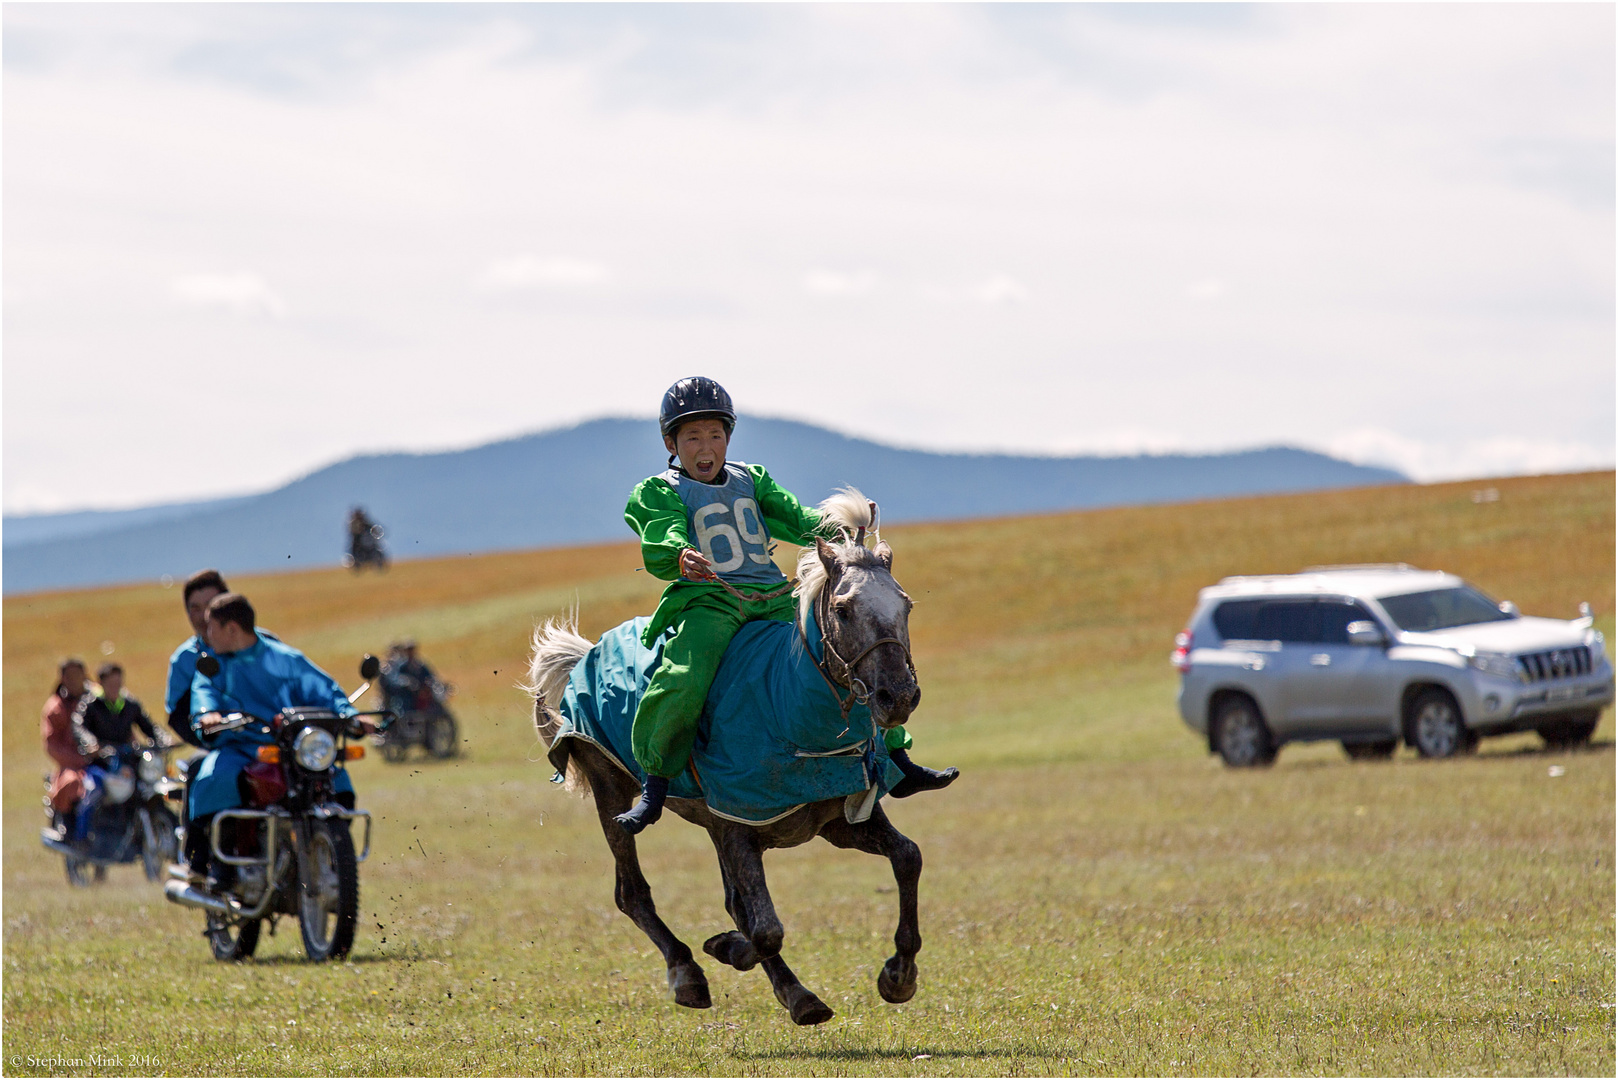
[848, 511]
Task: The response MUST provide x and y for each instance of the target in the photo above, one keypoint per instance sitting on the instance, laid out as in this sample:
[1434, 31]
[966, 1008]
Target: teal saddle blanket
[772, 736]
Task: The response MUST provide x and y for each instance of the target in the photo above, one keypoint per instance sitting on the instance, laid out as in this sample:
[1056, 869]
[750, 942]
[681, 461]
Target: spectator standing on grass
[56, 726]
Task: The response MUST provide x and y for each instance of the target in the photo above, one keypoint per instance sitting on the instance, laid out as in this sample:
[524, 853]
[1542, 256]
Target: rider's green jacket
[661, 518]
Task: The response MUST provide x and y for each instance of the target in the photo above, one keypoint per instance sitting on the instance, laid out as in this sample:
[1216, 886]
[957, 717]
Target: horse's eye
[842, 612]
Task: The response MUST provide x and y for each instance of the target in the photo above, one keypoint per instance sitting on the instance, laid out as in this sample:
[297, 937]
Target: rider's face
[196, 609]
[73, 679]
[700, 446]
[112, 685]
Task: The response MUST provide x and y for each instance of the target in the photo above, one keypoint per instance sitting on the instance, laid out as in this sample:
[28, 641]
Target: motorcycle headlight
[1503, 665]
[315, 749]
[150, 767]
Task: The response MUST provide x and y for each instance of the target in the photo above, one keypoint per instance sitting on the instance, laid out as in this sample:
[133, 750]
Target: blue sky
[1382, 231]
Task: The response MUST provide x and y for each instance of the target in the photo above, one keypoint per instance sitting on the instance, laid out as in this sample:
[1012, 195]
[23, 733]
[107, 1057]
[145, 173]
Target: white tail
[558, 648]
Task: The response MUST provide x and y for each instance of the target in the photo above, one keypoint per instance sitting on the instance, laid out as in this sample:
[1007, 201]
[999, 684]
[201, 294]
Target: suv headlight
[1503, 665]
[150, 767]
[315, 749]
[1598, 648]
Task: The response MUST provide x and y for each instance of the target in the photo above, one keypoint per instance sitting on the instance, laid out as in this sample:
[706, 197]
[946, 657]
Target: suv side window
[1335, 615]
[1286, 621]
[1236, 619]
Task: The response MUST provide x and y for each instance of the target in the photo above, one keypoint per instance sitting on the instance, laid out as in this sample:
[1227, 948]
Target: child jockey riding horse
[706, 524]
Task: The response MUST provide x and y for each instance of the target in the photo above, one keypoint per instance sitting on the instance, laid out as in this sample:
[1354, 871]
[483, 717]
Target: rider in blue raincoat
[258, 676]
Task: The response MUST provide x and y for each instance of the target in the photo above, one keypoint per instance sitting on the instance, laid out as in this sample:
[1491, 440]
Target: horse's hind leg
[877, 836]
[741, 865]
[634, 894]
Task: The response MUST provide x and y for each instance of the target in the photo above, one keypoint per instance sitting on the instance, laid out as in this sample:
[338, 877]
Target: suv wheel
[1435, 728]
[1241, 736]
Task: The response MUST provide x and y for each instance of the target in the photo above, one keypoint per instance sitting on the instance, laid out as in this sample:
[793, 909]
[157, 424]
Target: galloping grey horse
[849, 589]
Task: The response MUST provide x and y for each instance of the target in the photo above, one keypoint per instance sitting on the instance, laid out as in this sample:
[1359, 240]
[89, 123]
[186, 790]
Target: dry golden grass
[1100, 896]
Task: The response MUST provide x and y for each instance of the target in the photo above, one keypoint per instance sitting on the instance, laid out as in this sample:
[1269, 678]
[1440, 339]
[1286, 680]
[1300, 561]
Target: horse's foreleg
[747, 898]
[877, 836]
[634, 896]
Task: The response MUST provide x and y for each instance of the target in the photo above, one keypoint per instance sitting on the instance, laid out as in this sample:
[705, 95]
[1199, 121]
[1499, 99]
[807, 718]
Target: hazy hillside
[569, 486]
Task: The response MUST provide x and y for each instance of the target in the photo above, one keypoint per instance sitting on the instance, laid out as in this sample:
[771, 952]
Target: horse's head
[865, 623]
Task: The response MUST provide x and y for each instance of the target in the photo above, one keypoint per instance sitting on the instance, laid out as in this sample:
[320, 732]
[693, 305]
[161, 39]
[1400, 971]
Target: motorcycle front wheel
[329, 892]
[159, 843]
[232, 942]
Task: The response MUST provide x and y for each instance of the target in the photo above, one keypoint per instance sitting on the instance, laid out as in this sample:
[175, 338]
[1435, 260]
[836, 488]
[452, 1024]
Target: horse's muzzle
[890, 710]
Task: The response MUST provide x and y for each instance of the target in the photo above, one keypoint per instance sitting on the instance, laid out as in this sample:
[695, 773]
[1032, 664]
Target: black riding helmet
[696, 398]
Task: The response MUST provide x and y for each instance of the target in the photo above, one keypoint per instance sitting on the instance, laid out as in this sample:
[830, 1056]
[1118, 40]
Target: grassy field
[1100, 896]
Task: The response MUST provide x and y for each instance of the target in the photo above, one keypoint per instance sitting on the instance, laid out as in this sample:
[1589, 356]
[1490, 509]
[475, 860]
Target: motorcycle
[365, 549]
[424, 721]
[132, 824]
[292, 845]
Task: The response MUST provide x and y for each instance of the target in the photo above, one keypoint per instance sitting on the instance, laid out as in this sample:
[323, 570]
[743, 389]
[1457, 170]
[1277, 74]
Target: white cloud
[527, 273]
[1002, 290]
[838, 283]
[240, 294]
[1206, 289]
[1466, 460]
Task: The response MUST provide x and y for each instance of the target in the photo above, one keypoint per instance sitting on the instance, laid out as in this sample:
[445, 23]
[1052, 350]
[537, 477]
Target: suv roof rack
[1379, 567]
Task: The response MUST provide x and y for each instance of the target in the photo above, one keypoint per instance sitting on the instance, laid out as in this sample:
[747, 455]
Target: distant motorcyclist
[56, 728]
[405, 675]
[258, 676]
[364, 540]
[104, 723]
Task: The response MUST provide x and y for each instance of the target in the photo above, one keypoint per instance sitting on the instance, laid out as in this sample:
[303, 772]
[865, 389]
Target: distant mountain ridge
[569, 486]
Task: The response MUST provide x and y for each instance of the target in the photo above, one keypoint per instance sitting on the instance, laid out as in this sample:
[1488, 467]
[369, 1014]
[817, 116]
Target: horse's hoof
[732, 950]
[690, 987]
[897, 981]
[809, 1010]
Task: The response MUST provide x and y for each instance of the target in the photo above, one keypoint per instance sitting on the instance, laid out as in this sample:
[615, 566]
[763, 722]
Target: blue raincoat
[260, 680]
[772, 736]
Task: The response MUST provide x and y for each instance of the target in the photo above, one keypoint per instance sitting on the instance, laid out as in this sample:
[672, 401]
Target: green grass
[1099, 895]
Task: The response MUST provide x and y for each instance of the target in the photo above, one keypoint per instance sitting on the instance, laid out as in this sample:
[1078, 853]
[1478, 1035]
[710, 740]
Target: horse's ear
[828, 557]
[884, 555]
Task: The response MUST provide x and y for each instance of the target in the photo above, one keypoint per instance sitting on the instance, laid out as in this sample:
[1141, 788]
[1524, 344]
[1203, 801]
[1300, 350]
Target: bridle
[858, 692]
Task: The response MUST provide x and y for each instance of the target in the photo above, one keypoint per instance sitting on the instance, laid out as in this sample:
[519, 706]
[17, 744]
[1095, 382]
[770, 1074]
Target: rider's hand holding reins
[694, 566]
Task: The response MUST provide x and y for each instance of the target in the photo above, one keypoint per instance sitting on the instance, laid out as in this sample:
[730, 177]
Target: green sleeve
[786, 517]
[656, 513]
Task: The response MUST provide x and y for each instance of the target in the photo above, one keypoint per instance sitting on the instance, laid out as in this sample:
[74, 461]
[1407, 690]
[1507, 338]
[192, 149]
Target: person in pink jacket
[56, 726]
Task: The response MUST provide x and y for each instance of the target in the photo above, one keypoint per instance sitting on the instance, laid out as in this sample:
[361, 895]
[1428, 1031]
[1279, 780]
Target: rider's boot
[648, 808]
[919, 777]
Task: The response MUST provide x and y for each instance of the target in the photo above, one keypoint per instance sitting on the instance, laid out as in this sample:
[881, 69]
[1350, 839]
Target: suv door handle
[1321, 659]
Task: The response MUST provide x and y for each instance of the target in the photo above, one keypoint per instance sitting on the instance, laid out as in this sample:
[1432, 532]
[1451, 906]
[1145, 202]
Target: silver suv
[1369, 655]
